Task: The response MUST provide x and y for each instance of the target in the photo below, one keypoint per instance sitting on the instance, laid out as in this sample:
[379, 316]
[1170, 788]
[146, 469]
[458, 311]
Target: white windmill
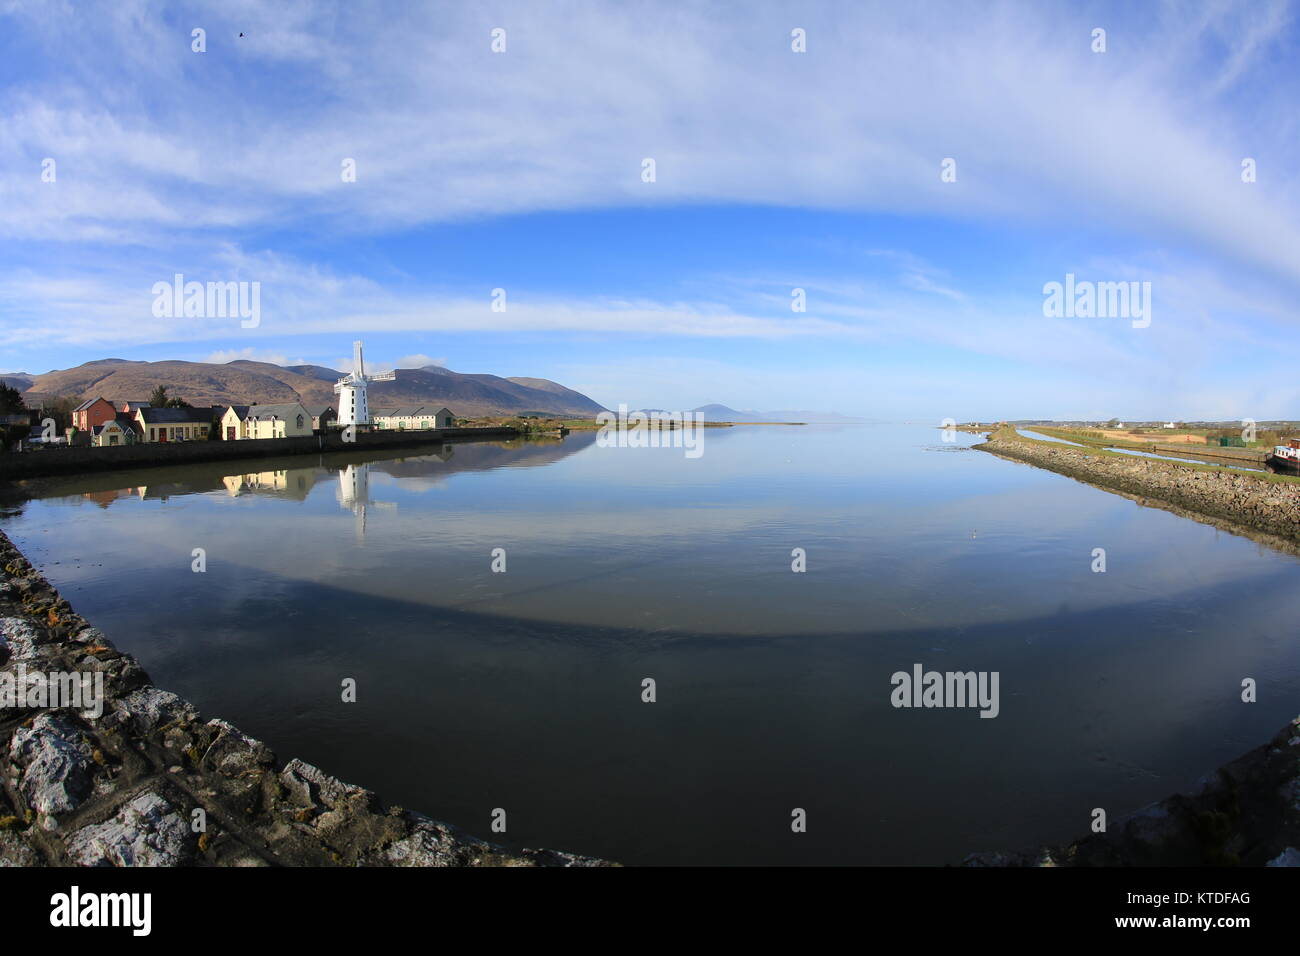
[353, 407]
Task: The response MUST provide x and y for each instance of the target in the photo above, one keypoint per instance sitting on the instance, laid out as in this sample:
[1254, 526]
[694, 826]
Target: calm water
[522, 690]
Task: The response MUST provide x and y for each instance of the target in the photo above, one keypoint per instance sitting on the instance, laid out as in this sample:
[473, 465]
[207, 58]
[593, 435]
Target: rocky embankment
[1244, 500]
[1245, 814]
[1248, 812]
[148, 782]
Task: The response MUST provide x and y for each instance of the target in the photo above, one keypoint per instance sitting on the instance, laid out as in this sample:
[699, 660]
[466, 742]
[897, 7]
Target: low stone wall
[62, 460]
[1243, 499]
[122, 788]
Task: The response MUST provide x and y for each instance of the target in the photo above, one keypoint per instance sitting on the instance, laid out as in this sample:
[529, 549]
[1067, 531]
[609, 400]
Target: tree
[1112, 423]
[59, 409]
[158, 399]
[11, 400]
[11, 403]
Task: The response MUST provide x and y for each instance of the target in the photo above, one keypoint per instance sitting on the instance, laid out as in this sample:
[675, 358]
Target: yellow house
[173, 424]
[113, 432]
[286, 420]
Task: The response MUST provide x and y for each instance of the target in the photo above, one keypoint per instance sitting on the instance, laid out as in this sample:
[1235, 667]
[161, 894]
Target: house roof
[241, 411]
[283, 410]
[176, 416]
[317, 411]
[90, 401]
[408, 411]
[136, 406]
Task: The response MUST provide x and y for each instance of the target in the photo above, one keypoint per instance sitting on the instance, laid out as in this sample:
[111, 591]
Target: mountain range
[244, 382]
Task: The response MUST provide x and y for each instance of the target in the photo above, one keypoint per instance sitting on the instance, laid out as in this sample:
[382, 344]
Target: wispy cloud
[440, 128]
[224, 356]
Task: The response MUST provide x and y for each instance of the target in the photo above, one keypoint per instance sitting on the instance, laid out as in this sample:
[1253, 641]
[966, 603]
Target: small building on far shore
[413, 417]
[115, 431]
[92, 413]
[174, 424]
[322, 416]
[280, 420]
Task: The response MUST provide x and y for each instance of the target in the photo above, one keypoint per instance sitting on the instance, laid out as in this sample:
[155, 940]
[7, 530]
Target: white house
[416, 417]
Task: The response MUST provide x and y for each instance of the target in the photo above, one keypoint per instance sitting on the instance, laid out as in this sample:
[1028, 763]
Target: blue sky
[775, 170]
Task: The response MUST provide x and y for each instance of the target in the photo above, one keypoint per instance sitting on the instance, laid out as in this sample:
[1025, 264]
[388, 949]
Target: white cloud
[418, 361]
[250, 354]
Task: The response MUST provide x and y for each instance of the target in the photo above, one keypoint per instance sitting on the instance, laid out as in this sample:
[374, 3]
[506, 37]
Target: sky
[921, 171]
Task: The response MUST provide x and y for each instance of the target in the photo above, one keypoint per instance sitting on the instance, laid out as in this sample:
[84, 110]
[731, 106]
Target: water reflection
[523, 689]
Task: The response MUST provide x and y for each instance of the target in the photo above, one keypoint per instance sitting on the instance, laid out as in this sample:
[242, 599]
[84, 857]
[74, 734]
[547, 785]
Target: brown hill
[243, 382]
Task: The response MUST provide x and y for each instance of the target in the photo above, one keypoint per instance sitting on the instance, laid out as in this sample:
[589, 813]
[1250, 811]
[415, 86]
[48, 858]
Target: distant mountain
[721, 413]
[19, 380]
[243, 382]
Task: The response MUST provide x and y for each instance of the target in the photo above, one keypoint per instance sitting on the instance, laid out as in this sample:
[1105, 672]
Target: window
[300, 421]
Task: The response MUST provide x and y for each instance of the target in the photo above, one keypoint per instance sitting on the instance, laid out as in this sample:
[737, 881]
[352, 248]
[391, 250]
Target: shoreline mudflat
[1254, 503]
[127, 781]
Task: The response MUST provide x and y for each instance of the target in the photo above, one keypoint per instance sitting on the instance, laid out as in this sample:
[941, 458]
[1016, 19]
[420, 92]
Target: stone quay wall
[1241, 498]
[64, 460]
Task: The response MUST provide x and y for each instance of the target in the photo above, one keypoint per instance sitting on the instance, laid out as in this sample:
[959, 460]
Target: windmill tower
[353, 407]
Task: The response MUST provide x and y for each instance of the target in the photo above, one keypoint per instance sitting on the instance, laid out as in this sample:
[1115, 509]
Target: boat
[1285, 458]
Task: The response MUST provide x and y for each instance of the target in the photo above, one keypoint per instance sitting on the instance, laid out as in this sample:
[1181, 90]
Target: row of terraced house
[99, 422]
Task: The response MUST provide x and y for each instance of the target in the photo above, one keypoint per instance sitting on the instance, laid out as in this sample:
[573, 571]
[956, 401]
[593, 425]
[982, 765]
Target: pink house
[91, 414]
